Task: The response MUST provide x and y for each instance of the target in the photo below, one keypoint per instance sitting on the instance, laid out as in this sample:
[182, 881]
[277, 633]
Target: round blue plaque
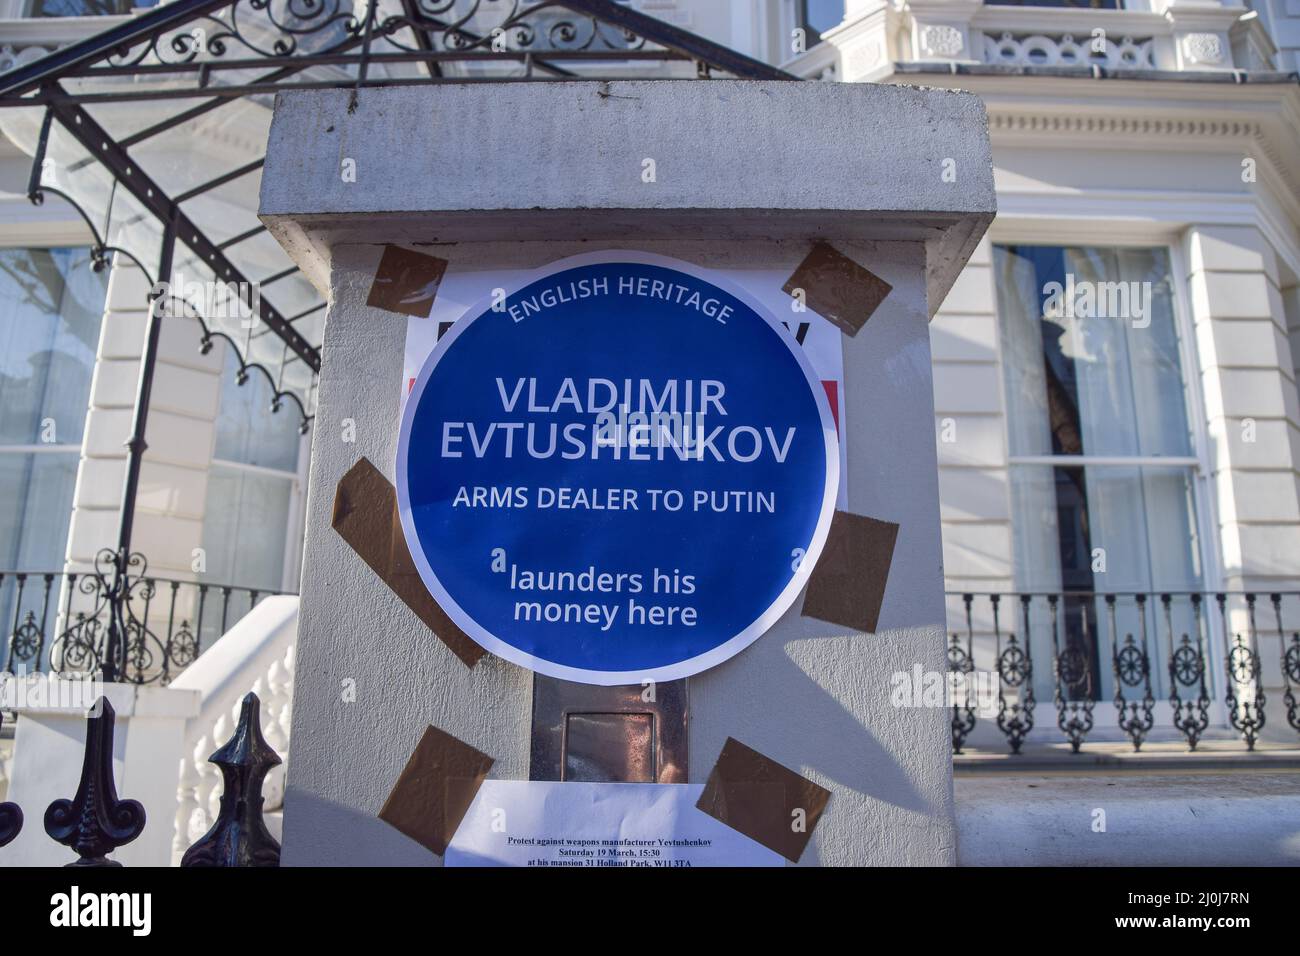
[624, 471]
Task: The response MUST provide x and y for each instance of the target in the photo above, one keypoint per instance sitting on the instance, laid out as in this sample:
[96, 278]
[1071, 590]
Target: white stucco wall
[1111, 163]
[807, 694]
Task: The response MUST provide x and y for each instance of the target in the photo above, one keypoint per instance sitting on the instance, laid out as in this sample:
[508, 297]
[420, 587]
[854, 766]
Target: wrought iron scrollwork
[27, 637]
[258, 28]
[1015, 665]
[1131, 664]
[82, 646]
[1291, 674]
[252, 30]
[1186, 664]
[182, 647]
[95, 822]
[137, 629]
[100, 253]
[1133, 669]
[1290, 665]
[1245, 692]
[1245, 712]
[119, 634]
[507, 26]
[1187, 676]
[1149, 637]
[961, 661]
[26, 641]
[1072, 689]
[115, 638]
[143, 652]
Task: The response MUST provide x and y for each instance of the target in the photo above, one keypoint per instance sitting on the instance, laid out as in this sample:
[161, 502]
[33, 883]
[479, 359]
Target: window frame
[296, 517]
[1095, 234]
[1194, 401]
[62, 232]
[60, 235]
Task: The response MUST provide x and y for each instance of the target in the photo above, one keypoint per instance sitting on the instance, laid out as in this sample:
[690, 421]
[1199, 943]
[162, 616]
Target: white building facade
[1116, 403]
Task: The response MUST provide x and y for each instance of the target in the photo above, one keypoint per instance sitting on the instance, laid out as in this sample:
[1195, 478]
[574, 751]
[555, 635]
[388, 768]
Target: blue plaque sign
[623, 471]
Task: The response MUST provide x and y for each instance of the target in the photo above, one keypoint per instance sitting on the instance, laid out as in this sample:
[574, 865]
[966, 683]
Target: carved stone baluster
[239, 836]
[210, 792]
[258, 690]
[276, 697]
[187, 802]
[94, 823]
[204, 788]
[286, 712]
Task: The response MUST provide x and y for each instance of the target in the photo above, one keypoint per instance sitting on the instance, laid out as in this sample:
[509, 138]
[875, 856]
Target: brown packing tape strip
[365, 516]
[838, 288]
[847, 586]
[406, 282]
[435, 789]
[764, 800]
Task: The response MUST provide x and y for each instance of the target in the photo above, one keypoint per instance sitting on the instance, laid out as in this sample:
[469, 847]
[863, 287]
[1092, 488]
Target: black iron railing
[1144, 658]
[94, 823]
[61, 621]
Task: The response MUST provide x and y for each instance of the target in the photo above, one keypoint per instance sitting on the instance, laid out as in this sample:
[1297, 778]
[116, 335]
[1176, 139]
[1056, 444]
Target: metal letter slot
[608, 734]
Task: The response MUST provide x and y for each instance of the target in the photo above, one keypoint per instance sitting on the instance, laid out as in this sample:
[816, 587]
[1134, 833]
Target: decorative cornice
[1258, 139]
[1056, 123]
[1270, 140]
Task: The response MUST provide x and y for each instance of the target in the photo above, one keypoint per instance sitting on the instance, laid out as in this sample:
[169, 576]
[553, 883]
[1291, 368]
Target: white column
[970, 427]
[180, 433]
[1248, 378]
[974, 477]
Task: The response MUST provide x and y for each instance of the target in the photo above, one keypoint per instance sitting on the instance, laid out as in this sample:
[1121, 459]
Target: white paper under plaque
[533, 823]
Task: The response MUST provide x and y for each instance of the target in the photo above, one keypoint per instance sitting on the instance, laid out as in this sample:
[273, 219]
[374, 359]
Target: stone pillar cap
[554, 160]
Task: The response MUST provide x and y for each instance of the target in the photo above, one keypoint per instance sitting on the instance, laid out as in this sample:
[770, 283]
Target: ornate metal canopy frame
[206, 38]
[224, 50]
[198, 56]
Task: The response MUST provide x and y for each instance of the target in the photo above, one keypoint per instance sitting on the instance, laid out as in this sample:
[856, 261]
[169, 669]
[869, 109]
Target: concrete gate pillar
[740, 177]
